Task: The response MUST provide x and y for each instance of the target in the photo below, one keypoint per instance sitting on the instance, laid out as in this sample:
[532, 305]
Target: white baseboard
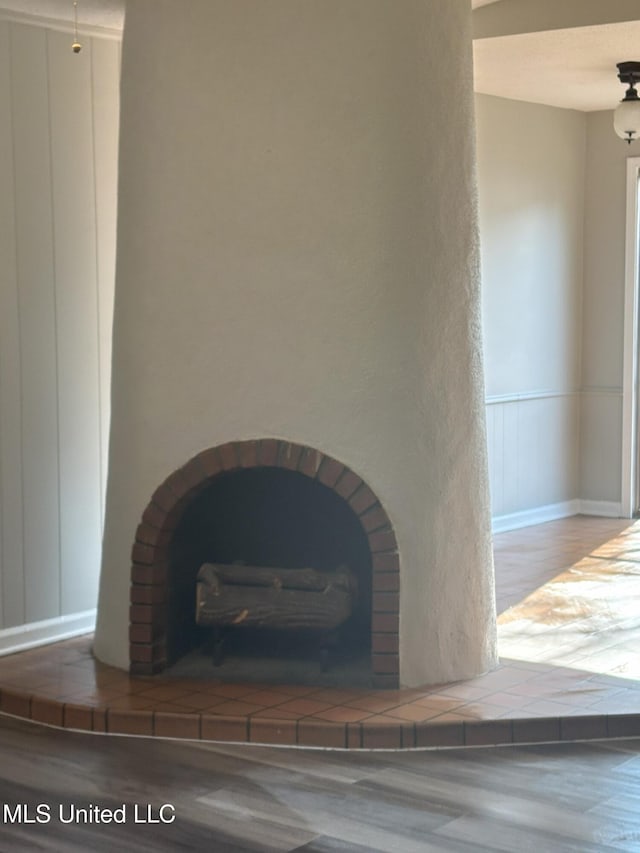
[537, 515]
[607, 509]
[552, 512]
[24, 637]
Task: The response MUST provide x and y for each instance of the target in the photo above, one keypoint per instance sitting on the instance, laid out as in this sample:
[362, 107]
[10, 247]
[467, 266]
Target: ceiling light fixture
[626, 118]
[76, 47]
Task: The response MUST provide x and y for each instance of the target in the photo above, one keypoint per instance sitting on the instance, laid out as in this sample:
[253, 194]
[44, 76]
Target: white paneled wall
[552, 210]
[533, 457]
[58, 162]
[531, 191]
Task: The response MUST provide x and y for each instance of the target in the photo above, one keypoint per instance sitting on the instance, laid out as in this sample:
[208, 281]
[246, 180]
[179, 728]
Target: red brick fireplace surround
[151, 559]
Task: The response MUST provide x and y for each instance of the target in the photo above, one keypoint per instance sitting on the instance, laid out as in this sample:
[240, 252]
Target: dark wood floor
[555, 798]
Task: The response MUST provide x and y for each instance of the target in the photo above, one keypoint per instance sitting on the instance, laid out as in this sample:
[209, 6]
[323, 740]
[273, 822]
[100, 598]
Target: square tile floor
[568, 598]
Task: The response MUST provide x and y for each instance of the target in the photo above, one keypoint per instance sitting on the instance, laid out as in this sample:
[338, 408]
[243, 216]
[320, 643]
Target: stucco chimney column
[298, 260]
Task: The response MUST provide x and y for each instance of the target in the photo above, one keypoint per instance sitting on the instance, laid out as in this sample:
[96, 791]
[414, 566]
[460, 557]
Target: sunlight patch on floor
[586, 617]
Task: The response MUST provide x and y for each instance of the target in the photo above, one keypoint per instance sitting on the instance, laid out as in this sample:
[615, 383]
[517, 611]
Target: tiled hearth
[569, 632]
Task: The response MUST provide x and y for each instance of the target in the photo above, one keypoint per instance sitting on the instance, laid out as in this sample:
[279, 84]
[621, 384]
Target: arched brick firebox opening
[150, 633]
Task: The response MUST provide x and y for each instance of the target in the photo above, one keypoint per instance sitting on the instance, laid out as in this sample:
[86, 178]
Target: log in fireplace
[237, 597]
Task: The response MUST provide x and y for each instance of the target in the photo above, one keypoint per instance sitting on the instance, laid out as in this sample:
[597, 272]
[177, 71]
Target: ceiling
[571, 68]
[563, 68]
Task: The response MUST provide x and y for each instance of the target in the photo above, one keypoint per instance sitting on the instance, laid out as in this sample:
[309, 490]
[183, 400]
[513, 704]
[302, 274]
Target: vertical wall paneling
[496, 457]
[510, 450]
[11, 565]
[530, 453]
[35, 250]
[533, 454]
[105, 67]
[494, 473]
[58, 187]
[74, 212]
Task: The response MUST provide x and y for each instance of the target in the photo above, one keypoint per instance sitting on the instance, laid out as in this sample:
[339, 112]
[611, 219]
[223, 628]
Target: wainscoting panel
[533, 456]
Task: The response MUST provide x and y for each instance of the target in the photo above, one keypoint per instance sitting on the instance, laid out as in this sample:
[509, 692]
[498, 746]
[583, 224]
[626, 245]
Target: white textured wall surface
[58, 151]
[531, 191]
[297, 258]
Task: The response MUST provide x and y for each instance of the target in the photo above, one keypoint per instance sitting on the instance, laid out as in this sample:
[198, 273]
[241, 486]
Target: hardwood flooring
[546, 798]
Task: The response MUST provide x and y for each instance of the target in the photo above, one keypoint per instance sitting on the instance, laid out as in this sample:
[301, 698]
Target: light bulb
[626, 119]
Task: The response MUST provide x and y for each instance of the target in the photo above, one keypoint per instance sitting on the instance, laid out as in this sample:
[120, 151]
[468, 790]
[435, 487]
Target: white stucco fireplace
[298, 290]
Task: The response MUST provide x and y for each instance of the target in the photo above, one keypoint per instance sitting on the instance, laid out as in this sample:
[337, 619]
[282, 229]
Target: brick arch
[150, 552]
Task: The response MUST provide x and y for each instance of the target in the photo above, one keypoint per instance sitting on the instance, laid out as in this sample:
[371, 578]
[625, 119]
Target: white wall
[604, 281]
[531, 168]
[58, 154]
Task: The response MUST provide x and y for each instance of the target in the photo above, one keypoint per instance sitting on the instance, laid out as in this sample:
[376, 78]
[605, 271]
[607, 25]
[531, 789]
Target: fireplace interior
[274, 519]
